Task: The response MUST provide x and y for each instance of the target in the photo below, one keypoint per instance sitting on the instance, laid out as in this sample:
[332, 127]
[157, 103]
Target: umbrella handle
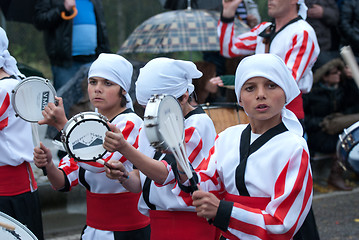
[63, 14]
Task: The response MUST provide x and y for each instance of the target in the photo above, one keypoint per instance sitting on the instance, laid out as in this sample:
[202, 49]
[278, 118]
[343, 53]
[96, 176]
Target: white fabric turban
[165, 76]
[7, 62]
[272, 67]
[115, 68]
[302, 9]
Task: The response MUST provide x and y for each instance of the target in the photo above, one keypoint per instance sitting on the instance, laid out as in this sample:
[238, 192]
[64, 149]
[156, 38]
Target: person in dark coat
[331, 106]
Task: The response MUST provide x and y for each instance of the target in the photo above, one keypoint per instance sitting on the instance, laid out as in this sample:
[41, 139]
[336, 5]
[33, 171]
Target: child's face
[261, 98]
[104, 94]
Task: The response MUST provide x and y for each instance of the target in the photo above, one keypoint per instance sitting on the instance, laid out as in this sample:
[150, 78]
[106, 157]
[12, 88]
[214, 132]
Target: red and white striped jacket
[278, 179]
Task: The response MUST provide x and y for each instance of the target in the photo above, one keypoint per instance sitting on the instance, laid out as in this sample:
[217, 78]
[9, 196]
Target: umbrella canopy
[198, 4]
[18, 10]
[177, 31]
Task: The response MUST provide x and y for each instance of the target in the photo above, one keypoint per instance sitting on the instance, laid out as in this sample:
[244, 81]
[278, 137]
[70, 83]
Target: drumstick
[349, 59]
[7, 226]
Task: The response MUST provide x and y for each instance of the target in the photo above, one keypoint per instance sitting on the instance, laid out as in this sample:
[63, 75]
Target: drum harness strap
[246, 149]
[269, 33]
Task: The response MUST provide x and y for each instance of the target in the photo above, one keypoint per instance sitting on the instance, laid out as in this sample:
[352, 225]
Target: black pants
[309, 230]
[25, 208]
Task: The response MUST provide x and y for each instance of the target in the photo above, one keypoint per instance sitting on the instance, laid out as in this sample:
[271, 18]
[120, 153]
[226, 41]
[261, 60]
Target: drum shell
[151, 123]
[225, 114]
[348, 148]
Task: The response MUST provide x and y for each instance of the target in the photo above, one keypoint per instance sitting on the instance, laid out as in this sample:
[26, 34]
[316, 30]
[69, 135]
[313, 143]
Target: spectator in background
[349, 25]
[289, 36]
[323, 16]
[18, 189]
[72, 43]
[247, 12]
[331, 106]
[205, 87]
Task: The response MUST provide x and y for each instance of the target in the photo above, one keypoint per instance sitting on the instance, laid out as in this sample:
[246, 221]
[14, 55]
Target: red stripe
[3, 108]
[128, 129]
[4, 123]
[195, 152]
[188, 134]
[5, 104]
[247, 228]
[223, 30]
[309, 58]
[284, 207]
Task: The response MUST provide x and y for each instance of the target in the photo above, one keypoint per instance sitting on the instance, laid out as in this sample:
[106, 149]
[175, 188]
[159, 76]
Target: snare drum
[158, 109]
[83, 136]
[348, 148]
[225, 115]
[13, 229]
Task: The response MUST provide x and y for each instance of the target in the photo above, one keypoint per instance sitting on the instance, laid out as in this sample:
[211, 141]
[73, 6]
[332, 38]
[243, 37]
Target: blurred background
[122, 17]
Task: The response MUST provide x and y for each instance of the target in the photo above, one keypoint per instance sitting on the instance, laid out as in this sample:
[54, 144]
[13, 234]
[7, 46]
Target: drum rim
[345, 157]
[233, 105]
[21, 84]
[18, 224]
[66, 137]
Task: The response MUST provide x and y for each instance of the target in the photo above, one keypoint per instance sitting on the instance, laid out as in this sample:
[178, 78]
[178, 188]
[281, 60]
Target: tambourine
[348, 148]
[158, 109]
[10, 228]
[83, 136]
[30, 96]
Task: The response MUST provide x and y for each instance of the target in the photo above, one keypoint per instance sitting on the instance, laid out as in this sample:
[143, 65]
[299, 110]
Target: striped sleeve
[301, 55]
[232, 45]
[285, 213]
[71, 169]
[4, 105]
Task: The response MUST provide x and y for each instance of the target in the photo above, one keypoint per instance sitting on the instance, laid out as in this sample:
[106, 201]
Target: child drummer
[257, 182]
[109, 80]
[172, 77]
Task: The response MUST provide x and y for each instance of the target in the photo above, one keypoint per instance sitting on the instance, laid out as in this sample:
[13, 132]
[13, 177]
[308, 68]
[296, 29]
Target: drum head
[85, 136]
[31, 96]
[13, 229]
[170, 113]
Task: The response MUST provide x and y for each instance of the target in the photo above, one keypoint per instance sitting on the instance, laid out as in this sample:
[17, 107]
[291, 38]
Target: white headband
[115, 68]
[302, 9]
[7, 62]
[271, 67]
[165, 76]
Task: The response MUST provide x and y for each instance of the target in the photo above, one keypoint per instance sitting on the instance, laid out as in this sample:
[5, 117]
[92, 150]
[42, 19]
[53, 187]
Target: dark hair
[122, 98]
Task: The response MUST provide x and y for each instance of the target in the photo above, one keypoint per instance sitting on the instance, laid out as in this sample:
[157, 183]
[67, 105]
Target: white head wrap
[115, 68]
[7, 62]
[272, 67]
[302, 9]
[165, 76]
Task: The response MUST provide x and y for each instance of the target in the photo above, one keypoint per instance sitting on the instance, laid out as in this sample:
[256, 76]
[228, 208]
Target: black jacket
[321, 102]
[349, 24]
[58, 32]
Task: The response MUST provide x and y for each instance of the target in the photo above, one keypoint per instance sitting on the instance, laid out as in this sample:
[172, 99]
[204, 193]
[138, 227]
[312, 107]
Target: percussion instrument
[158, 109]
[83, 136]
[29, 97]
[348, 148]
[164, 128]
[10, 228]
[225, 114]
